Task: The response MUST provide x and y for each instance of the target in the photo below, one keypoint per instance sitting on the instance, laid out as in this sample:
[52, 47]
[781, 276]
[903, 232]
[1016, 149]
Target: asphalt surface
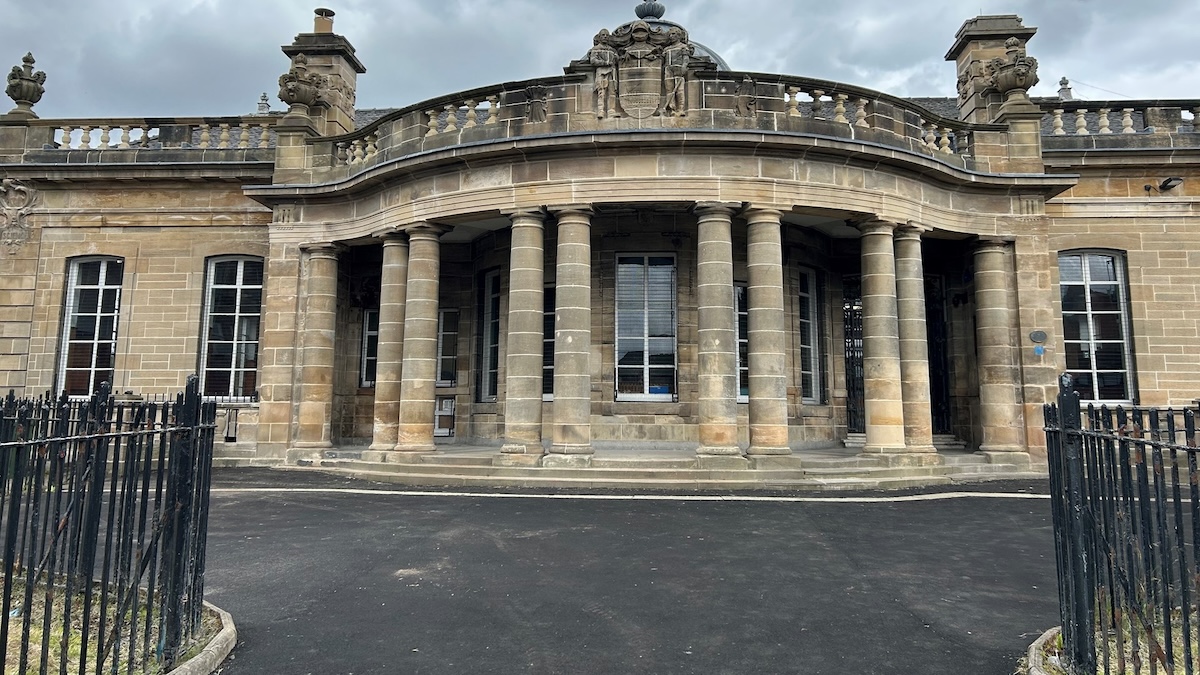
[337, 582]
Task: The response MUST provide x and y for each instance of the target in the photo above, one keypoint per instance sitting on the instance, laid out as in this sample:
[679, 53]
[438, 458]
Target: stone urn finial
[1014, 74]
[299, 87]
[26, 88]
[650, 10]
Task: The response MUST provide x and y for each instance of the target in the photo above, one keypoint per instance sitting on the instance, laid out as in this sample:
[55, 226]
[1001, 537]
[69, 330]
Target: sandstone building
[646, 251]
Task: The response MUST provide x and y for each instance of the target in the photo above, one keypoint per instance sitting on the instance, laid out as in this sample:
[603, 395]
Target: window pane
[89, 301]
[1075, 327]
[216, 383]
[89, 273]
[1110, 356]
[1083, 385]
[1102, 268]
[1112, 386]
[252, 274]
[1078, 355]
[629, 380]
[1108, 327]
[79, 355]
[225, 273]
[221, 328]
[662, 352]
[224, 300]
[248, 329]
[1105, 297]
[109, 305]
[220, 355]
[84, 328]
[1070, 269]
[1074, 299]
[662, 381]
[630, 352]
[252, 301]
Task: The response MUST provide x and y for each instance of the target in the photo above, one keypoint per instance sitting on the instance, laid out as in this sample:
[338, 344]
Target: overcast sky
[142, 58]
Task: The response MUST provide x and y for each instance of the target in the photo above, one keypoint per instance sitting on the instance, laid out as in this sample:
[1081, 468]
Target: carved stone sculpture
[25, 87]
[17, 201]
[300, 88]
[746, 99]
[604, 58]
[677, 56]
[1014, 74]
[535, 104]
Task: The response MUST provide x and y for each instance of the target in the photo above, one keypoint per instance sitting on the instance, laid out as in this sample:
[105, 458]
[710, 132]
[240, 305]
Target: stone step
[556, 472]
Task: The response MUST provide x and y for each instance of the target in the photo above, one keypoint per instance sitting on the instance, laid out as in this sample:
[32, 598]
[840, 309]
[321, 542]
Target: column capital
[322, 249]
[998, 243]
[559, 210]
[755, 213]
[912, 230]
[876, 226]
[723, 209]
[538, 214]
[426, 230]
[390, 233]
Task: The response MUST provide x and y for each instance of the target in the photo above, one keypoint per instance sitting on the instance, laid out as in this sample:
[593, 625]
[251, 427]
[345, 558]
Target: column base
[308, 451]
[758, 450]
[884, 449]
[522, 449]
[722, 462]
[1000, 455]
[517, 459]
[567, 461]
[719, 451]
[911, 457]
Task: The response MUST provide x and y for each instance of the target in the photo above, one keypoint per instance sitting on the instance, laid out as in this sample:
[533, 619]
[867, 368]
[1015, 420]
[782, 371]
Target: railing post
[179, 501]
[1082, 650]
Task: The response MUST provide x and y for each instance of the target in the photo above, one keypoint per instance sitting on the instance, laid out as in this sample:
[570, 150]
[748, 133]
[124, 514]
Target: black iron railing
[1126, 505]
[103, 517]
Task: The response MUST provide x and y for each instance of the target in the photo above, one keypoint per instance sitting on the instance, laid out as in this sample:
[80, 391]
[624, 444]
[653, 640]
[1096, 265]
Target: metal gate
[939, 358]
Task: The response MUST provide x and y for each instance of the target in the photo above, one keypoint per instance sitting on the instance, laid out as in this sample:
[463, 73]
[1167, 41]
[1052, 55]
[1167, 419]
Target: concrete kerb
[1035, 658]
[215, 652]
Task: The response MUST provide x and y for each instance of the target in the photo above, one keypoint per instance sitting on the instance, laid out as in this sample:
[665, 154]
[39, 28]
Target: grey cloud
[209, 57]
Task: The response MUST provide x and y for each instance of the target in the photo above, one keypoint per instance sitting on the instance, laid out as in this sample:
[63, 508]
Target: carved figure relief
[604, 58]
[648, 67]
[535, 104]
[746, 99]
[17, 201]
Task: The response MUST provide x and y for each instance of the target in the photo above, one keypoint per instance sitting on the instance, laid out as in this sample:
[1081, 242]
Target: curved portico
[759, 279]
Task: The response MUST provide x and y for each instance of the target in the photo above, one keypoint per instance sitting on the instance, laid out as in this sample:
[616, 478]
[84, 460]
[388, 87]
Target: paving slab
[355, 577]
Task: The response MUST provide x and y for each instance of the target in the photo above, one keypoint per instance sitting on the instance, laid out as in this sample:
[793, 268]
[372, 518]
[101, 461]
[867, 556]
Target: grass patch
[53, 646]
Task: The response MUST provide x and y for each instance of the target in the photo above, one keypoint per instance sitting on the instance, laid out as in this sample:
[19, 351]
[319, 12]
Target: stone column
[572, 340]
[419, 370]
[393, 292]
[999, 380]
[526, 308]
[768, 334]
[717, 330]
[914, 343]
[881, 340]
[315, 408]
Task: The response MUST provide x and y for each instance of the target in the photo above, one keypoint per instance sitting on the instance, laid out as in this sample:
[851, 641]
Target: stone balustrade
[221, 133]
[1103, 118]
[720, 101]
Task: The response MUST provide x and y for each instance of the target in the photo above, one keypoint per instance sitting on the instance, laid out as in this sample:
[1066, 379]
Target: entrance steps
[807, 470]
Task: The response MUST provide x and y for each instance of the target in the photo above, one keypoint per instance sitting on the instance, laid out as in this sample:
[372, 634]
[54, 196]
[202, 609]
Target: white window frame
[646, 395]
[1119, 259]
[71, 316]
[548, 323]
[447, 338]
[741, 317]
[239, 342]
[808, 323]
[489, 339]
[369, 338]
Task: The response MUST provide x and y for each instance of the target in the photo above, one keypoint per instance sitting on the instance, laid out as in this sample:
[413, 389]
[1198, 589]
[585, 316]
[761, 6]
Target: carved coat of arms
[641, 71]
[17, 201]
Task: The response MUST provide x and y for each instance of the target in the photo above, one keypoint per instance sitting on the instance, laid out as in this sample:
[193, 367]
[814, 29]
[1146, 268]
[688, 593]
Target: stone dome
[652, 13]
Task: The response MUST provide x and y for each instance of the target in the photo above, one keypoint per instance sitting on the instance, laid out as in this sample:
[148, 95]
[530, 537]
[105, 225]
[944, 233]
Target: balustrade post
[64, 142]
[944, 143]
[793, 104]
[860, 115]
[1127, 121]
[451, 118]
[493, 109]
[85, 137]
[817, 95]
[433, 123]
[1104, 121]
[104, 137]
[472, 115]
[264, 137]
[224, 142]
[839, 109]
[205, 136]
[1058, 122]
[1081, 128]
[243, 136]
[123, 144]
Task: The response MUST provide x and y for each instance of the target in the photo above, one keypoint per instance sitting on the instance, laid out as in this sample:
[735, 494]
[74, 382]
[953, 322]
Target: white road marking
[941, 496]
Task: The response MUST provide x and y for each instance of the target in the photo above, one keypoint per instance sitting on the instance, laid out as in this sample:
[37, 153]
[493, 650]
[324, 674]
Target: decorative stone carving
[535, 104]
[649, 68]
[300, 88]
[1014, 74]
[17, 201]
[746, 99]
[604, 58]
[25, 87]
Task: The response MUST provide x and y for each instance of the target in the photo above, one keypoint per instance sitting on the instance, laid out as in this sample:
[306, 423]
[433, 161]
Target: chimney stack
[323, 23]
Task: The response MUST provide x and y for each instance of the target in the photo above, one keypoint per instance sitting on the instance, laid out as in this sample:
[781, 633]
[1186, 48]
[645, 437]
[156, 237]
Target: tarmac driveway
[345, 582]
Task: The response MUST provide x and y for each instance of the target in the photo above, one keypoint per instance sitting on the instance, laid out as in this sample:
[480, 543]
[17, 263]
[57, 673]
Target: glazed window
[646, 320]
[1096, 336]
[369, 357]
[489, 325]
[742, 309]
[809, 338]
[548, 344]
[447, 348]
[89, 339]
[232, 310]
